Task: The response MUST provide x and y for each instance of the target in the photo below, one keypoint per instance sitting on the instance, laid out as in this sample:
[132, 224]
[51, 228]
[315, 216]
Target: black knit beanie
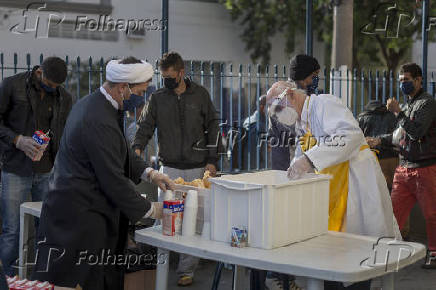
[302, 66]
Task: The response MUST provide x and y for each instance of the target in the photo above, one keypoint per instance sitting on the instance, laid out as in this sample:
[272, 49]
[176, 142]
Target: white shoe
[276, 284]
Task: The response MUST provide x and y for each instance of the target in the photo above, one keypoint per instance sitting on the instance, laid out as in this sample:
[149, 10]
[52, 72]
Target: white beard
[287, 116]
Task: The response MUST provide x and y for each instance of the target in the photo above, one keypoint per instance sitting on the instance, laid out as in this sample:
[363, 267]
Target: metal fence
[235, 92]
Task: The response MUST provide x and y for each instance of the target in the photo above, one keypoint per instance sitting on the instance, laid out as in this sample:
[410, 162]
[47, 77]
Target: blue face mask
[312, 89]
[46, 88]
[407, 87]
[127, 105]
[135, 101]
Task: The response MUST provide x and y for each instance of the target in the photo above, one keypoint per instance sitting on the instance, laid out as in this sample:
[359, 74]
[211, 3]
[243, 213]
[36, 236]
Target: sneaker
[277, 284]
[185, 281]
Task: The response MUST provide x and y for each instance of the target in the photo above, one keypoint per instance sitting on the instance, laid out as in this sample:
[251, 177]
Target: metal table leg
[217, 275]
[239, 281]
[23, 247]
[388, 281]
[162, 269]
[315, 284]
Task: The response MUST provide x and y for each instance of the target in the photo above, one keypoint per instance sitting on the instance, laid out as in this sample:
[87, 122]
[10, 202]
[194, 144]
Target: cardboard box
[141, 280]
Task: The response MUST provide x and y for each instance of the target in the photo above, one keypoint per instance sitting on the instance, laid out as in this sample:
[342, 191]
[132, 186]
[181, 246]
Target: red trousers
[413, 185]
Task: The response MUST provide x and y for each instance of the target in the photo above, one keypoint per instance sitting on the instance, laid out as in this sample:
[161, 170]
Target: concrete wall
[199, 31]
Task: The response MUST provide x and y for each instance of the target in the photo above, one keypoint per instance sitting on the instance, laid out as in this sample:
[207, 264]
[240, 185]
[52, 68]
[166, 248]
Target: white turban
[132, 73]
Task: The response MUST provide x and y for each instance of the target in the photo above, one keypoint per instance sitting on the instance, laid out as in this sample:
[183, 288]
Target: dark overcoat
[84, 218]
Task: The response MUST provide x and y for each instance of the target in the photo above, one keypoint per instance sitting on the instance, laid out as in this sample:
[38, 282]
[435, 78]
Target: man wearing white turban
[91, 200]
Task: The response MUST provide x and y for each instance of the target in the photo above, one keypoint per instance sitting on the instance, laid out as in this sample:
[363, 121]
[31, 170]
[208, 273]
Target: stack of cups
[190, 214]
[168, 195]
[205, 234]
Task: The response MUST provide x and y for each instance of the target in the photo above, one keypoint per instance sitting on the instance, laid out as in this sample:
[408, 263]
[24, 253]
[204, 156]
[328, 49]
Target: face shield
[282, 110]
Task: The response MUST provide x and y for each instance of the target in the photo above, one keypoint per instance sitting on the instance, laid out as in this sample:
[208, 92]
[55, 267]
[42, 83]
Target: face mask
[46, 88]
[132, 103]
[127, 105]
[407, 87]
[171, 83]
[311, 89]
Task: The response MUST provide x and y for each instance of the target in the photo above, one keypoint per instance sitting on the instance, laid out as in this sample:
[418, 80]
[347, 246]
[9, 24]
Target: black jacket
[187, 127]
[90, 198]
[419, 122]
[18, 95]
[376, 121]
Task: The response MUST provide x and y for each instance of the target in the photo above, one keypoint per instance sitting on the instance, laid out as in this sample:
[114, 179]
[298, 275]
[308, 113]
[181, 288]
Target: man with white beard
[332, 143]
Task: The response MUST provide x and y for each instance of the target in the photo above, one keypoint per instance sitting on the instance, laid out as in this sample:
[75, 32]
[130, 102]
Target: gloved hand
[157, 210]
[399, 137]
[299, 166]
[161, 180]
[29, 146]
[211, 168]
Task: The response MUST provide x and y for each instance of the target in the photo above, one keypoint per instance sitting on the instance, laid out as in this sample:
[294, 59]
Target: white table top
[32, 208]
[334, 256]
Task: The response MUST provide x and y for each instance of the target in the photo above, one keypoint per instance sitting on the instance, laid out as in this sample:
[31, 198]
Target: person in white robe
[332, 143]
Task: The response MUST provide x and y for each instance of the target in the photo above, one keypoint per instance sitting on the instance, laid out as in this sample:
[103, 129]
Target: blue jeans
[14, 191]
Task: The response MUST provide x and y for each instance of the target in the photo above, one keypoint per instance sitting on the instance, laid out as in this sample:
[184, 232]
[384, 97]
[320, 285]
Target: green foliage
[384, 32]
[262, 19]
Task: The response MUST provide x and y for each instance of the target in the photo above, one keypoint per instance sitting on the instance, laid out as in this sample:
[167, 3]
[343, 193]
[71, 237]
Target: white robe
[369, 206]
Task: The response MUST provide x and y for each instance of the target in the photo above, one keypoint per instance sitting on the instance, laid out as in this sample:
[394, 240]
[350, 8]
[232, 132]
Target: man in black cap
[304, 71]
[30, 101]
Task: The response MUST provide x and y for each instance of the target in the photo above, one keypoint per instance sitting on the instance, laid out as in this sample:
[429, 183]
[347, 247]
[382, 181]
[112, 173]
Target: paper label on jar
[172, 217]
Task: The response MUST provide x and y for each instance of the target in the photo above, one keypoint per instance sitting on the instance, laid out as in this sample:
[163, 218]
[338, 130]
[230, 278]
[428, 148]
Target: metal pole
[424, 43]
[164, 48]
[309, 34]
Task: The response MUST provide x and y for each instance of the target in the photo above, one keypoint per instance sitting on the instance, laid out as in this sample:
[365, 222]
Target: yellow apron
[338, 193]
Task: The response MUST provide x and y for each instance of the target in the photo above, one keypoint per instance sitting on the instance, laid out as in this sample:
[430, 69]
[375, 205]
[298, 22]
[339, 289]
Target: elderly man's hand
[211, 168]
[162, 180]
[393, 105]
[373, 142]
[299, 166]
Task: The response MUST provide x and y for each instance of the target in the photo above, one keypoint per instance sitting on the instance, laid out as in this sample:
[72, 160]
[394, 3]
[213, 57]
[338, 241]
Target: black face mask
[46, 88]
[171, 83]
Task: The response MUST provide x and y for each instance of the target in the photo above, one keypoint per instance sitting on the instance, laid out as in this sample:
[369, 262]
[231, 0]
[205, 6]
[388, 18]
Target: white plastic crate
[203, 214]
[275, 210]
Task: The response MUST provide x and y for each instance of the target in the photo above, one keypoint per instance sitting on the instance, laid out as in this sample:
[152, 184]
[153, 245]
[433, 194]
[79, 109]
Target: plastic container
[275, 210]
[203, 212]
